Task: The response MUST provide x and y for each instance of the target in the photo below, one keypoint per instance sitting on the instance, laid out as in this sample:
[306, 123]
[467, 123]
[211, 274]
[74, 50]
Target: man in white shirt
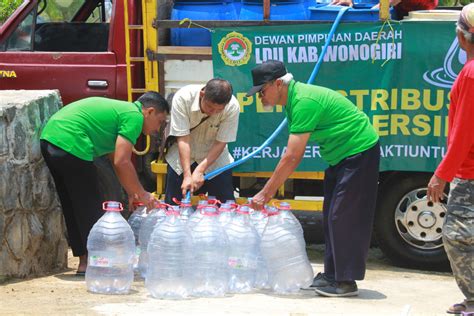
[203, 120]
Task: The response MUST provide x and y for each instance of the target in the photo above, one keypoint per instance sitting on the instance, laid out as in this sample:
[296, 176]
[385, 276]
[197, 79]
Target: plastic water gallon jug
[168, 259]
[156, 216]
[186, 209]
[290, 218]
[212, 200]
[135, 221]
[111, 250]
[244, 249]
[225, 214]
[201, 204]
[259, 219]
[208, 248]
[197, 215]
[287, 262]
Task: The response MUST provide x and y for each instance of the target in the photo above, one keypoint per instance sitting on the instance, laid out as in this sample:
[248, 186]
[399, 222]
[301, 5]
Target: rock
[32, 230]
[3, 140]
[9, 188]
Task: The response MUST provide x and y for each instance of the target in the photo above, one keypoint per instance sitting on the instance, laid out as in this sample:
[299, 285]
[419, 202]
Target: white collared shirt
[186, 114]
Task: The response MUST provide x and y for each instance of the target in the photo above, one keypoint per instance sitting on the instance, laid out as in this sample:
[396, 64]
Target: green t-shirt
[335, 123]
[88, 128]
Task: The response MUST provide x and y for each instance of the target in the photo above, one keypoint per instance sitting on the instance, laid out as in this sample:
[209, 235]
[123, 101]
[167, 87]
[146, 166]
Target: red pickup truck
[75, 46]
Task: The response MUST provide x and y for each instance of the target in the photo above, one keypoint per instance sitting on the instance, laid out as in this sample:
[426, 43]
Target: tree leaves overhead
[7, 7]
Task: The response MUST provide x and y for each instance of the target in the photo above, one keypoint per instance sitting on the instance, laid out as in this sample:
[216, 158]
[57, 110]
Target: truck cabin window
[21, 38]
[65, 26]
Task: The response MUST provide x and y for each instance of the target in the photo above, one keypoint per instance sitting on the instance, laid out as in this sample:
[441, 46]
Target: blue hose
[284, 122]
[325, 47]
[253, 153]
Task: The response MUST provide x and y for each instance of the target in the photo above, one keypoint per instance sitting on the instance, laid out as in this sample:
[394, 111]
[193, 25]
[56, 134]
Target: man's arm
[127, 174]
[227, 133]
[288, 163]
[180, 128]
[460, 138]
[184, 149]
[198, 175]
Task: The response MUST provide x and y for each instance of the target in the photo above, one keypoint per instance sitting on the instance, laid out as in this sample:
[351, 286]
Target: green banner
[400, 75]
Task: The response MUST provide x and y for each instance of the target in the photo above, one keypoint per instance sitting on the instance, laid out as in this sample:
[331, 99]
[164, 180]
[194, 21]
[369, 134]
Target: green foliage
[60, 10]
[55, 11]
[7, 7]
[453, 3]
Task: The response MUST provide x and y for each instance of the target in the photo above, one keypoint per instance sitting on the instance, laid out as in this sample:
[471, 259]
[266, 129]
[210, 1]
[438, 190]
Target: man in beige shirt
[203, 119]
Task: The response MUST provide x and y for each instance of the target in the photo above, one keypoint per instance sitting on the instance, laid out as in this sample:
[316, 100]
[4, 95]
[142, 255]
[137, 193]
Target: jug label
[98, 261]
[241, 263]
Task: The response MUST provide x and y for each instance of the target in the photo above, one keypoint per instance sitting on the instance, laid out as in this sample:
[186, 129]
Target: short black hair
[218, 91]
[155, 100]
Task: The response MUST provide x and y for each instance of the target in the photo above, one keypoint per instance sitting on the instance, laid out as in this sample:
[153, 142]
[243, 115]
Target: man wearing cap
[204, 118]
[457, 167]
[349, 144]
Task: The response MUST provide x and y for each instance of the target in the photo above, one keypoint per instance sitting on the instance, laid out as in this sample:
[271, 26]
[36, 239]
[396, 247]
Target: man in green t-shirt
[90, 128]
[349, 144]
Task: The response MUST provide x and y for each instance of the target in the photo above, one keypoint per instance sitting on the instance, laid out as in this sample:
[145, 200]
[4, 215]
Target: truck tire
[410, 236]
[312, 223]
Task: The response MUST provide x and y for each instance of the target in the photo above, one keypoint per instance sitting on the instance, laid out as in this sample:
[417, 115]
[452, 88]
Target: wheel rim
[420, 222]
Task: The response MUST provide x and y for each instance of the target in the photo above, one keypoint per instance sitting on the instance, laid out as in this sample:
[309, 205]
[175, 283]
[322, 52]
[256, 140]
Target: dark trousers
[77, 185]
[220, 186]
[350, 192]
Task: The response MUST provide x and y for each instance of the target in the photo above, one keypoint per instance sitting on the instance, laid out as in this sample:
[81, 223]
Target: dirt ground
[387, 290]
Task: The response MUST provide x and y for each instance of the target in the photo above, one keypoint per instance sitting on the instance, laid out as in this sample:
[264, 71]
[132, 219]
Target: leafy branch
[7, 7]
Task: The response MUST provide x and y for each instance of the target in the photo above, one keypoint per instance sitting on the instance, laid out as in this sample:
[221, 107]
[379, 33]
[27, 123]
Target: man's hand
[197, 179]
[127, 175]
[288, 163]
[260, 199]
[342, 2]
[435, 191]
[145, 197]
[187, 185]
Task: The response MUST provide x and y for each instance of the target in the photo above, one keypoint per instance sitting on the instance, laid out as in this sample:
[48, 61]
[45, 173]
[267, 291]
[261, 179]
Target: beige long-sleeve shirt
[186, 114]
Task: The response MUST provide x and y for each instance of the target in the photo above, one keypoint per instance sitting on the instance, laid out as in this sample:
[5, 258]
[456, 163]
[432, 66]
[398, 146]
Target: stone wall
[32, 230]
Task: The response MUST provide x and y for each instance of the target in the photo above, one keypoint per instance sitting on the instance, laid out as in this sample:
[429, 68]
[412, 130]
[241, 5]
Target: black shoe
[320, 280]
[338, 289]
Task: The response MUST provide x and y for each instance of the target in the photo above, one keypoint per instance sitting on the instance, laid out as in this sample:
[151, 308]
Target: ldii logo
[453, 62]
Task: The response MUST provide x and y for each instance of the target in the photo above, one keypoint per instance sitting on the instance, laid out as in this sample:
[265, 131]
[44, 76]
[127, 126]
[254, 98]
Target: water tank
[359, 12]
[195, 11]
[279, 10]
